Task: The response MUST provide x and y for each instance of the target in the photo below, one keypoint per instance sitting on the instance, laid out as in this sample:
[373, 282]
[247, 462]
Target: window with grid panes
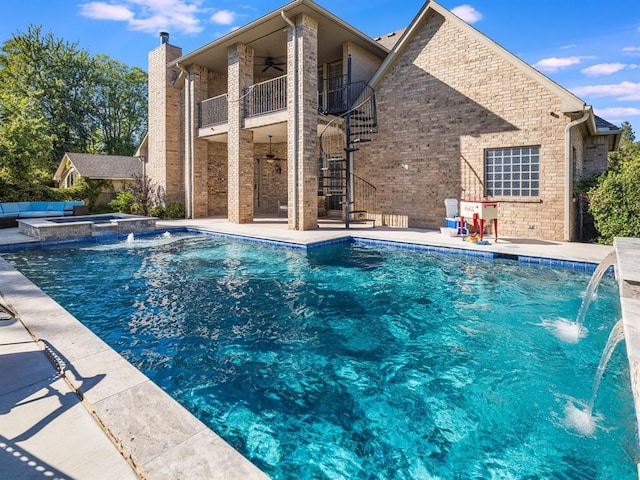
[512, 172]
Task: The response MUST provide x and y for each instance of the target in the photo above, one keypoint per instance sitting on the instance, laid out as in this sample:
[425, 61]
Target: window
[512, 172]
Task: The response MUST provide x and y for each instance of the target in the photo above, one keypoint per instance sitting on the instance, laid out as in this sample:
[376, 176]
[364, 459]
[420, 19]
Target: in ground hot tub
[64, 228]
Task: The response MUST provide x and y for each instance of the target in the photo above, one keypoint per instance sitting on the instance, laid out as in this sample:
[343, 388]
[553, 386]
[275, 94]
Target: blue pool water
[359, 362]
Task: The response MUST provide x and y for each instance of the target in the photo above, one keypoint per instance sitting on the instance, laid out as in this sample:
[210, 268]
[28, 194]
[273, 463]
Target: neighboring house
[299, 106]
[117, 170]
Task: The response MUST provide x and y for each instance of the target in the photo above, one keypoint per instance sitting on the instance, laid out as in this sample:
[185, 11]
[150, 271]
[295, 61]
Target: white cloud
[607, 68]
[105, 11]
[467, 13]
[223, 17]
[631, 50]
[618, 112]
[554, 64]
[622, 91]
[149, 15]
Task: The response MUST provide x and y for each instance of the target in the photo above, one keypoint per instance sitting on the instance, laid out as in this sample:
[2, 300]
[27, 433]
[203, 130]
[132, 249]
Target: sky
[589, 47]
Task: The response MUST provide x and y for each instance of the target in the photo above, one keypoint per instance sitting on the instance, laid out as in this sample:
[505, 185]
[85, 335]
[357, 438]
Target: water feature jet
[583, 421]
[572, 332]
[592, 287]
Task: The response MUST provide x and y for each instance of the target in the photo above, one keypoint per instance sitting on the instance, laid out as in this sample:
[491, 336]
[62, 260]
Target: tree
[56, 98]
[57, 79]
[24, 147]
[615, 200]
[120, 106]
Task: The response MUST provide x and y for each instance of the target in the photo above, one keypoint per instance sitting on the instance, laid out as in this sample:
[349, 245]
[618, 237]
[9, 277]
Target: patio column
[240, 141]
[198, 91]
[302, 108]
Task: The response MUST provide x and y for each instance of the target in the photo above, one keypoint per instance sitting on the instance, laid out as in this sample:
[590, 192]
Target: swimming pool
[358, 362]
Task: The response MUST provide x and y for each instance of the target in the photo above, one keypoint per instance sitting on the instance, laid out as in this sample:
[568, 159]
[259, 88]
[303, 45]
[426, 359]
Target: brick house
[299, 108]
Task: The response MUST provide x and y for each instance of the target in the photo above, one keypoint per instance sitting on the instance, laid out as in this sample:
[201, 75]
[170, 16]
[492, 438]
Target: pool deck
[103, 419]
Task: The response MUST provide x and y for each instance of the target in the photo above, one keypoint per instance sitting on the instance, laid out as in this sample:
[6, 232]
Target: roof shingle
[106, 166]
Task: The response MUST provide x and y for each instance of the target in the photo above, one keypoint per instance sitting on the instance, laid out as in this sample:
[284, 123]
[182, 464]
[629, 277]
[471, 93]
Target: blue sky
[589, 47]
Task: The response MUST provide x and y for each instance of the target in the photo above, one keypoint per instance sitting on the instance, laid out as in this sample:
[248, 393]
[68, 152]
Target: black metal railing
[363, 205]
[334, 94]
[266, 97]
[213, 111]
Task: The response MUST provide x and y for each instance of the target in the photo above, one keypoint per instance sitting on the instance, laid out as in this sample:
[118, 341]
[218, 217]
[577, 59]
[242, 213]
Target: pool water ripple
[358, 362]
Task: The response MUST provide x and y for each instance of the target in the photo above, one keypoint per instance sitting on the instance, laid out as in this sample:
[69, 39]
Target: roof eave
[231, 38]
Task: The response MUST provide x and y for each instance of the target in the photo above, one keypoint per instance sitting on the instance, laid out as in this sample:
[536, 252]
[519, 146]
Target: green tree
[56, 98]
[57, 78]
[23, 160]
[615, 200]
[120, 106]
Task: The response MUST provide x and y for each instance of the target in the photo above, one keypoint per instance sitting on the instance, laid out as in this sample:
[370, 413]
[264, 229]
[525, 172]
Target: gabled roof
[607, 128]
[268, 36]
[107, 167]
[570, 102]
[603, 125]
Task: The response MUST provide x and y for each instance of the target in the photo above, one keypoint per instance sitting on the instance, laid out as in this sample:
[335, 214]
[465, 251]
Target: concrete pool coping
[158, 438]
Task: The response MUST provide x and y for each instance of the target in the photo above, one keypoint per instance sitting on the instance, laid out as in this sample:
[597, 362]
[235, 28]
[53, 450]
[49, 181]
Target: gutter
[188, 154]
[568, 177]
[294, 147]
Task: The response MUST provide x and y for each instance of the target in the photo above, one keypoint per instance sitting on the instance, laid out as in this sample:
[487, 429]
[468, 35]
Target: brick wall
[165, 165]
[596, 155]
[307, 119]
[445, 100]
[240, 141]
[217, 178]
[272, 177]
[198, 92]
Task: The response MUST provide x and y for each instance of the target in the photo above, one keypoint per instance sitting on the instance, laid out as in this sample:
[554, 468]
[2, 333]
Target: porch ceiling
[278, 132]
[268, 36]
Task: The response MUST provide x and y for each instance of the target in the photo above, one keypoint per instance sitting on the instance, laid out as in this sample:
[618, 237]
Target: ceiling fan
[270, 62]
[271, 157]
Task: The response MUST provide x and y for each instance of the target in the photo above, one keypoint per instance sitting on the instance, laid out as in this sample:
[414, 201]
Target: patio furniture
[10, 212]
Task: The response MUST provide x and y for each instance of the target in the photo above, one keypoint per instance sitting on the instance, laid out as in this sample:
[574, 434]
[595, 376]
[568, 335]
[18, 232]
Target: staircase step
[336, 159]
[360, 140]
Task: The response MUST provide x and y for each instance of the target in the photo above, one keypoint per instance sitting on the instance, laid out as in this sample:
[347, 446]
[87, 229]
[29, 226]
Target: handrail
[364, 198]
[266, 97]
[368, 94]
[213, 111]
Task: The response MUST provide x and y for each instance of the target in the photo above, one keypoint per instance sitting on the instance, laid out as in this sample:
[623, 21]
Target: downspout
[295, 119]
[568, 177]
[188, 157]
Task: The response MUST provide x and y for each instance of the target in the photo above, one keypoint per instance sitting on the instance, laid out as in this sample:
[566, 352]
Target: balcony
[213, 111]
[335, 96]
[259, 99]
[266, 97]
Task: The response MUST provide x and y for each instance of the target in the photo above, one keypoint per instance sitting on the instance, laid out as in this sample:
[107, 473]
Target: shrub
[123, 202]
[158, 211]
[615, 202]
[175, 210]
